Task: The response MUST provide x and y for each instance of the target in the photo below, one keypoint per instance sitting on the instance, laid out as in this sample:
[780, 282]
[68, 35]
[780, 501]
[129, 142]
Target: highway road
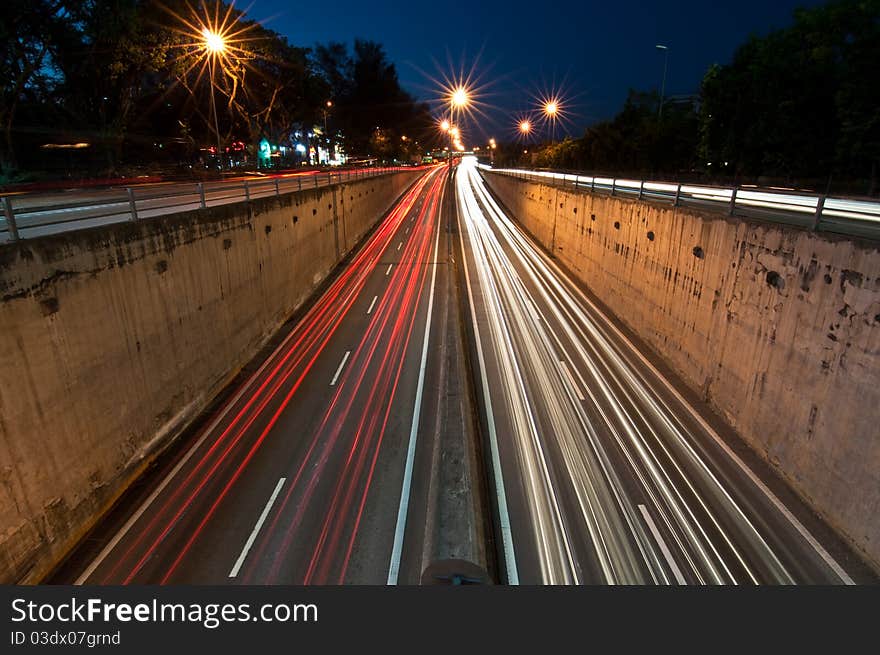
[41, 214]
[316, 469]
[322, 467]
[858, 217]
[603, 472]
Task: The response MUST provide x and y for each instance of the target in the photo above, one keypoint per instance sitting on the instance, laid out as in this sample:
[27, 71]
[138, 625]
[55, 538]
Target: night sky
[592, 51]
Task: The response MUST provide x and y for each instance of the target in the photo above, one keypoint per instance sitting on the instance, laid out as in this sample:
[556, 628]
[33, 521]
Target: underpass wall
[113, 339]
[777, 328]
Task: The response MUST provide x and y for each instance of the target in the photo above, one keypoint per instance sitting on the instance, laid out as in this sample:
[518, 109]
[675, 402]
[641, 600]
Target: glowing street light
[444, 125]
[460, 98]
[327, 106]
[215, 44]
[553, 111]
[525, 127]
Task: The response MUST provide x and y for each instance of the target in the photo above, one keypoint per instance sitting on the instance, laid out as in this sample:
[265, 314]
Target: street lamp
[551, 113]
[215, 44]
[327, 136]
[663, 87]
[459, 99]
[525, 126]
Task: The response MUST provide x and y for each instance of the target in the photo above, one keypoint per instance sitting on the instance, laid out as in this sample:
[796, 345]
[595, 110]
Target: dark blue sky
[598, 49]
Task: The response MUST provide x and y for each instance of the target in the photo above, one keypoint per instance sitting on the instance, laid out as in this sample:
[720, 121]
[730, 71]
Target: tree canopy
[132, 76]
[801, 105]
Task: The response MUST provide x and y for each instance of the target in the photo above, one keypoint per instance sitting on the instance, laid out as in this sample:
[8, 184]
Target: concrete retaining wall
[112, 339]
[777, 328]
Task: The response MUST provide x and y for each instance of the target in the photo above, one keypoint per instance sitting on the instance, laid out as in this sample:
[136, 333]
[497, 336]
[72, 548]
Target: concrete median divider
[113, 339]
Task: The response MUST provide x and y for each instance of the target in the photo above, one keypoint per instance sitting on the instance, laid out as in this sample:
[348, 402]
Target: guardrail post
[677, 196]
[316, 180]
[593, 184]
[613, 184]
[10, 219]
[641, 189]
[277, 190]
[202, 201]
[733, 201]
[131, 203]
[820, 206]
[299, 182]
[247, 191]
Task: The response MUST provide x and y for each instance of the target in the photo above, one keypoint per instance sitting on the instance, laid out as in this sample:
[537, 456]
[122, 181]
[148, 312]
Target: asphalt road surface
[332, 462]
[313, 472]
[41, 214]
[603, 472]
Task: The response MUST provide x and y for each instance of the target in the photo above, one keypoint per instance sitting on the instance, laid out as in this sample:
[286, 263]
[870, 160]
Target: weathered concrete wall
[777, 328]
[113, 339]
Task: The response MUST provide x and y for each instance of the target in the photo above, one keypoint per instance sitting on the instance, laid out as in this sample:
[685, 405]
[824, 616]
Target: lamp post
[663, 86]
[458, 100]
[551, 111]
[215, 45]
[327, 136]
[525, 129]
[454, 134]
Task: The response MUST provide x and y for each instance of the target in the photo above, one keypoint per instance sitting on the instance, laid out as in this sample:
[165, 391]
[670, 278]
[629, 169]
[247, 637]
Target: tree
[800, 102]
[27, 34]
[369, 106]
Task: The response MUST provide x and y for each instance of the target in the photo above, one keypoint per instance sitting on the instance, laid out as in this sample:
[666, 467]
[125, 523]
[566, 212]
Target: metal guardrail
[33, 214]
[814, 212]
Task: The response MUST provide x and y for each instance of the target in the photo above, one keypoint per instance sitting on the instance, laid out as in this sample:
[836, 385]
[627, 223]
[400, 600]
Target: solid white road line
[403, 509]
[571, 381]
[256, 530]
[388, 270]
[500, 494]
[339, 370]
[679, 578]
[372, 304]
[152, 497]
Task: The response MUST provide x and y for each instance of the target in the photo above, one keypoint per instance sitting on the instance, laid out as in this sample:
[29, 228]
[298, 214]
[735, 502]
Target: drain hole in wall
[650, 236]
[698, 252]
[775, 280]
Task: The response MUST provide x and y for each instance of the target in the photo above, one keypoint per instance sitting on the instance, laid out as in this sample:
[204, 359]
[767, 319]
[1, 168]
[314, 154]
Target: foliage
[131, 77]
[634, 142]
[800, 104]
[369, 105]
